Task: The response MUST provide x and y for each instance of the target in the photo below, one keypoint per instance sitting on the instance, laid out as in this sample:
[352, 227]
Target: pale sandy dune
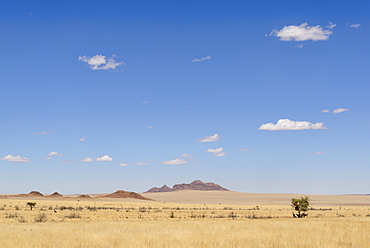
[238, 198]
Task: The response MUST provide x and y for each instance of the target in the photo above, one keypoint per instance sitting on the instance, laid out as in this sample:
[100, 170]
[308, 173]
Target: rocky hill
[55, 195]
[31, 194]
[126, 194]
[195, 185]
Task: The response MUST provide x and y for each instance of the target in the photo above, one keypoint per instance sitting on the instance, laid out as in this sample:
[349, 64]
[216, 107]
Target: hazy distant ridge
[195, 185]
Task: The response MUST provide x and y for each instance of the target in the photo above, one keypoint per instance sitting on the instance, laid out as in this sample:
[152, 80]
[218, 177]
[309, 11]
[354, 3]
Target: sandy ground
[237, 198]
[228, 197]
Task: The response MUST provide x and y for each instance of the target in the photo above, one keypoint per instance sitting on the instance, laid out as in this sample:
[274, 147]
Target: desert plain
[188, 218]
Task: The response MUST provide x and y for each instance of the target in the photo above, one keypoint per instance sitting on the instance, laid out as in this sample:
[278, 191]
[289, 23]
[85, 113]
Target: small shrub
[21, 219]
[172, 215]
[41, 217]
[11, 215]
[232, 215]
[73, 215]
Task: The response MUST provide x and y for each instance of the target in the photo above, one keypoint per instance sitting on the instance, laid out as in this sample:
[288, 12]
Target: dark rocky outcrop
[195, 185]
[84, 196]
[164, 188]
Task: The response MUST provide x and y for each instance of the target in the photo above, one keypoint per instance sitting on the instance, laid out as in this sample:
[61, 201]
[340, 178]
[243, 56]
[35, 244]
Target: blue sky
[258, 96]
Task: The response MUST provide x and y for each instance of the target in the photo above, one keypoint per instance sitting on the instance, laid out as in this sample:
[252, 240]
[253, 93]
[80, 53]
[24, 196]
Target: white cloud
[55, 154]
[286, 124]
[335, 111]
[317, 152]
[185, 155]
[48, 158]
[123, 164]
[217, 152]
[12, 158]
[244, 149]
[44, 132]
[211, 138]
[149, 127]
[175, 161]
[99, 62]
[339, 110]
[87, 160]
[300, 45]
[331, 25]
[354, 25]
[104, 158]
[82, 139]
[201, 59]
[140, 163]
[303, 32]
[67, 161]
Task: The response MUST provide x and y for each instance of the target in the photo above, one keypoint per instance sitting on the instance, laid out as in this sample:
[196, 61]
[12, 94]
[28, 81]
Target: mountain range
[195, 185]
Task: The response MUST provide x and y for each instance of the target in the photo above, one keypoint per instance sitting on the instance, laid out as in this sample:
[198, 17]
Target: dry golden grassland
[132, 223]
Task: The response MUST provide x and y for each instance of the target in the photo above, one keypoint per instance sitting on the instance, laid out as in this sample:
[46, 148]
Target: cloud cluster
[286, 124]
[12, 158]
[175, 161]
[100, 62]
[201, 59]
[211, 138]
[354, 25]
[335, 111]
[217, 152]
[103, 158]
[303, 32]
[82, 139]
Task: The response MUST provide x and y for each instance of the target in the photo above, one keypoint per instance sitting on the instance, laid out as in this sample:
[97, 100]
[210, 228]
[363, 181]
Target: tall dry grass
[92, 223]
[200, 233]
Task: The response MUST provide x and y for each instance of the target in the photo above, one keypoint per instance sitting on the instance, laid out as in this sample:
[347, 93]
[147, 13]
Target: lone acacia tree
[301, 206]
[31, 204]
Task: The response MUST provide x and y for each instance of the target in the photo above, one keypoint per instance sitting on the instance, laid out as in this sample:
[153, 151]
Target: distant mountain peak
[126, 194]
[195, 185]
